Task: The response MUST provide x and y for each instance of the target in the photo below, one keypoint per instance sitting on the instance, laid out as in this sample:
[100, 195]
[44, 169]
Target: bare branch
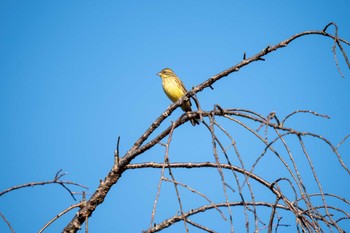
[342, 142]
[200, 226]
[196, 192]
[7, 222]
[168, 222]
[334, 48]
[60, 214]
[303, 111]
[56, 180]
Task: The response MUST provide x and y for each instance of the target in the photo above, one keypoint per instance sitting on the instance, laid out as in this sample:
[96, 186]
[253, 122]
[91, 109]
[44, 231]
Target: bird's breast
[172, 89]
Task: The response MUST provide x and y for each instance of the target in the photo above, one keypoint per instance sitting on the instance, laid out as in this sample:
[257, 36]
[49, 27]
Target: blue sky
[75, 75]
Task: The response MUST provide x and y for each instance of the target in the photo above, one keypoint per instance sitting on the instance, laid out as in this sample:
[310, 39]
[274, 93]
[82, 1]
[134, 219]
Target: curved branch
[170, 221]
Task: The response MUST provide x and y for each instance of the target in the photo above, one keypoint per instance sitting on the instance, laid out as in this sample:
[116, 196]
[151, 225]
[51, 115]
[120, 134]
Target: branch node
[329, 24]
[116, 152]
[219, 108]
[266, 50]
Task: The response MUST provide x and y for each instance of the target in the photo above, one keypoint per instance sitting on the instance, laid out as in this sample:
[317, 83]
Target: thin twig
[233, 143]
[317, 181]
[342, 141]
[60, 214]
[7, 222]
[200, 226]
[304, 111]
[217, 160]
[196, 192]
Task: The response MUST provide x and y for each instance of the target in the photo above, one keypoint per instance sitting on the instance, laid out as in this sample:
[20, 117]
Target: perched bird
[175, 89]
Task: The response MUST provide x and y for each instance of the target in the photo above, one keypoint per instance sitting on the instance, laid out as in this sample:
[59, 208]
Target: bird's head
[167, 72]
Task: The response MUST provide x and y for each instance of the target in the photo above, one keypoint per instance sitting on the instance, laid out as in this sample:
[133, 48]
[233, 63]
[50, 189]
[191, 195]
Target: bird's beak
[159, 73]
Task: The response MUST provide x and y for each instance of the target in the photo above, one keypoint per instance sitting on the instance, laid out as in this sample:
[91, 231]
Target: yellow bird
[175, 89]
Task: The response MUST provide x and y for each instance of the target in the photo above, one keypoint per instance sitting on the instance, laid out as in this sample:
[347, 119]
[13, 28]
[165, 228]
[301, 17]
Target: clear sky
[75, 75]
